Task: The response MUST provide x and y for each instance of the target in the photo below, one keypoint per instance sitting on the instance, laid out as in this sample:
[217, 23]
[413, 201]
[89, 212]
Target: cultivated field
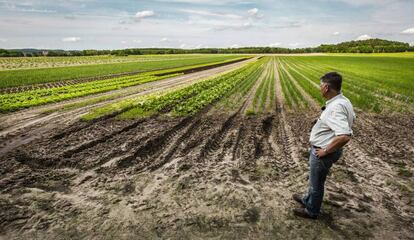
[203, 146]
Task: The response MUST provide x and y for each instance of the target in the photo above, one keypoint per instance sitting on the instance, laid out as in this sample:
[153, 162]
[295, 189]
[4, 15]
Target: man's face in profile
[324, 88]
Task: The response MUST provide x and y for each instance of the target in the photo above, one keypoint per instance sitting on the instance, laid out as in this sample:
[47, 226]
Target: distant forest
[363, 46]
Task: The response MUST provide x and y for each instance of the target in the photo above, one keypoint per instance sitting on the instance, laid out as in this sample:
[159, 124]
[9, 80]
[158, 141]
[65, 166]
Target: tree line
[363, 46]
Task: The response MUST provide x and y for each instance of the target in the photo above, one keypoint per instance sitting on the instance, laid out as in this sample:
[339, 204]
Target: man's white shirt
[336, 119]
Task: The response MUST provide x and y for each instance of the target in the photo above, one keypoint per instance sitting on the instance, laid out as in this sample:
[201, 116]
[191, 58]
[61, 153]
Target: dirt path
[24, 126]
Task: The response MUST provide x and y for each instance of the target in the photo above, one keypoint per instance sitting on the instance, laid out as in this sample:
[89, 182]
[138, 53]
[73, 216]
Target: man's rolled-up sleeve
[337, 121]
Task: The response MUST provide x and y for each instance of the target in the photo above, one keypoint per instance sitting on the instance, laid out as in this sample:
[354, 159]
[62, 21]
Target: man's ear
[325, 88]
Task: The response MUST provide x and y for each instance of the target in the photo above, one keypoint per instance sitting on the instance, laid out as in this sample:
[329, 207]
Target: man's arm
[337, 143]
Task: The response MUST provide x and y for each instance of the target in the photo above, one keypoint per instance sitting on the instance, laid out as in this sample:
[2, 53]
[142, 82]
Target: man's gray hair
[334, 80]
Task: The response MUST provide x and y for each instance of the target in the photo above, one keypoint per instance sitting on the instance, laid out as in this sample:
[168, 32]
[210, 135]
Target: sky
[188, 24]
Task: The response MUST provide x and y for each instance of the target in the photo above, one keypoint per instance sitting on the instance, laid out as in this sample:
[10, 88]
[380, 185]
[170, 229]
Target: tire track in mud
[285, 130]
[132, 145]
[68, 153]
[154, 146]
[218, 139]
[287, 153]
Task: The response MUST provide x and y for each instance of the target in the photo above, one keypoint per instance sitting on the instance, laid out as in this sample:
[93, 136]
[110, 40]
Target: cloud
[212, 14]
[294, 44]
[183, 45]
[206, 2]
[71, 39]
[3, 40]
[367, 2]
[408, 31]
[33, 10]
[165, 40]
[236, 26]
[276, 44]
[26, 7]
[336, 33]
[136, 41]
[254, 13]
[222, 21]
[235, 46]
[69, 17]
[286, 24]
[363, 37]
[144, 14]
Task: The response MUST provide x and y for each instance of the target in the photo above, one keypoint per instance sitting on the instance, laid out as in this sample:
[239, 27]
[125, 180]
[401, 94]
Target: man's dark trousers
[319, 169]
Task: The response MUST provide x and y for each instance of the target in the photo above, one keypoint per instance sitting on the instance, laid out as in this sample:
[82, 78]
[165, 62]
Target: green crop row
[272, 87]
[265, 92]
[238, 94]
[269, 92]
[304, 83]
[292, 95]
[260, 93]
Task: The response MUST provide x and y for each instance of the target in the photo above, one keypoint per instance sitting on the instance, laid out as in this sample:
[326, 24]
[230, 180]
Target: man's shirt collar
[334, 98]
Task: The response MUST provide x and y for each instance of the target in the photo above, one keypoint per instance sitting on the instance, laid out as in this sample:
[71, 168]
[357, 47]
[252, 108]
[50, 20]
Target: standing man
[329, 134]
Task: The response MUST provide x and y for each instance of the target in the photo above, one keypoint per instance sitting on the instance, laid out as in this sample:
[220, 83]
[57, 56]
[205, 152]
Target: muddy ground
[215, 175]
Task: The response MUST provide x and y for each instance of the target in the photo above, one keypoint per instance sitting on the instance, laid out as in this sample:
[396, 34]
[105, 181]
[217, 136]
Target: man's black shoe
[298, 198]
[302, 212]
